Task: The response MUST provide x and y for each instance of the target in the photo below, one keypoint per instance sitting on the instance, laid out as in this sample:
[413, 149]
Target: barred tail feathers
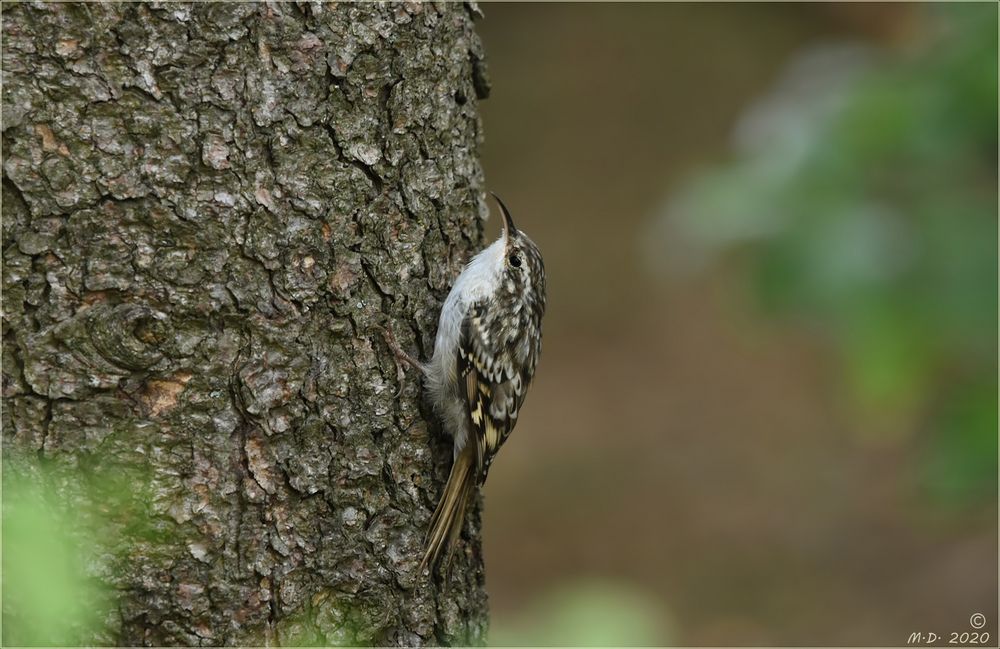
[446, 523]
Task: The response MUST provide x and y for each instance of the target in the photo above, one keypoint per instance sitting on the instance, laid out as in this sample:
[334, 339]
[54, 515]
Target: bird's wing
[493, 380]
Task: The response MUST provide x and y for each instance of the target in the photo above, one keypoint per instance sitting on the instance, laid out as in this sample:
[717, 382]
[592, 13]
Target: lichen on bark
[206, 210]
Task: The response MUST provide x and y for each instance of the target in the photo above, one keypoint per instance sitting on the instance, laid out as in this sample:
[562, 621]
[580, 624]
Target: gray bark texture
[206, 211]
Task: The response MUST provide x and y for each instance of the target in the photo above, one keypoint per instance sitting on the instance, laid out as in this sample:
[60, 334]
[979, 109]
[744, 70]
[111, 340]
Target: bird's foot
[399, 356]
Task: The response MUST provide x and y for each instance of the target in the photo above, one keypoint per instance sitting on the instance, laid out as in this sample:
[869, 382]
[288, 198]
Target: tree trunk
[207, 209]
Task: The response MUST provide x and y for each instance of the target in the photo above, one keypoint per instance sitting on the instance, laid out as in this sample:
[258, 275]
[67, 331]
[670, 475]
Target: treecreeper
[486, 350]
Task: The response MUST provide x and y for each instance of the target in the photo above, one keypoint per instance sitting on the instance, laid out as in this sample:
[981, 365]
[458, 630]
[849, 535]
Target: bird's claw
[399, 356]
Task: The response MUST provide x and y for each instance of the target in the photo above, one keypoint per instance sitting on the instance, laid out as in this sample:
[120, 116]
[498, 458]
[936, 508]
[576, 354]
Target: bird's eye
[514, 261]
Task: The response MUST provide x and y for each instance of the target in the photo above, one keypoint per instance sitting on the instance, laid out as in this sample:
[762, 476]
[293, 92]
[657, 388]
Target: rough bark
[205, 211]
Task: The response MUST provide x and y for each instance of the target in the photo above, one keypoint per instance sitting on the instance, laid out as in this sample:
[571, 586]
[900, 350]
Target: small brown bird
[487, 346]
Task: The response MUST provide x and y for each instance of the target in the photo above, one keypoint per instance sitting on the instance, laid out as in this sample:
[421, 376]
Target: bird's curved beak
[509, 229]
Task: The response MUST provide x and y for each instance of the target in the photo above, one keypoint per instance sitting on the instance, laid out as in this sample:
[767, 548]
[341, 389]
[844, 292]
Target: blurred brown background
[690, 468]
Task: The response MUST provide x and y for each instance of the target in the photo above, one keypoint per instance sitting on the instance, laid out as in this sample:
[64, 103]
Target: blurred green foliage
[587, 614]
[49, 595]
[864, 201]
